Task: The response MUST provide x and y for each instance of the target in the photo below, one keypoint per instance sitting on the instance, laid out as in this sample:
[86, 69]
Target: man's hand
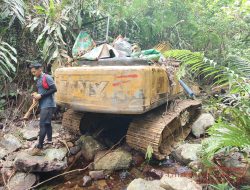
[36, 96]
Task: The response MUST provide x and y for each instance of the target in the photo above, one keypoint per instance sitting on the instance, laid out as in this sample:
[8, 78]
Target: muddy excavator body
[133, 87]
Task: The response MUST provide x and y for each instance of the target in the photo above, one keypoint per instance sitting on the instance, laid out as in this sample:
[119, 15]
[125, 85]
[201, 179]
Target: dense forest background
[212, 38]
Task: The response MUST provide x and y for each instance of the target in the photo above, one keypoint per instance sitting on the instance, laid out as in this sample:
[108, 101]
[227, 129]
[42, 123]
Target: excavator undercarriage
[161, 128]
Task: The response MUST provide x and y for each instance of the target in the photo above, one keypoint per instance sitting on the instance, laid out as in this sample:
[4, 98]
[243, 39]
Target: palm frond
[7, 58]
[13, 9]
[231, 130]
[239, 64]
[198, 65]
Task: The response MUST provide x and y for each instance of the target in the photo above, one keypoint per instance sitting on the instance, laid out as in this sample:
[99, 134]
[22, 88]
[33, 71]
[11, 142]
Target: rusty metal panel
[112, 89]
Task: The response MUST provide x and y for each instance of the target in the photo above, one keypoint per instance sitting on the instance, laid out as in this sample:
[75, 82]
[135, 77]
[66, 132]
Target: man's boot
[36, 152]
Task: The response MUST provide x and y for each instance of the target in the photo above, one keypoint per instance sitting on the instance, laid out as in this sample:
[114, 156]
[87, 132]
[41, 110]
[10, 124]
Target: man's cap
[35, 65]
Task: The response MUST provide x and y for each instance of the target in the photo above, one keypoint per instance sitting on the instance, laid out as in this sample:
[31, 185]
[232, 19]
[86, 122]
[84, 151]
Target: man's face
[36, 72]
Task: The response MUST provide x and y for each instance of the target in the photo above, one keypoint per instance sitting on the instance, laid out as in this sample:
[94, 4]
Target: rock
[55, 154]
[247, 151]
[74, 150]
[102, 185]
[236, 165]
[204, 121]
[124, 175]
[155, 173]
[51, 161]
[30, 133]
[7, 164]
[69, 184]
[56, 127]
[168, 162]
[55, 135]
[22, 181]
[136, 173]
[70, 144]
[178, 183]
[11, 157]
[1, 125]
[187, 152]
[141, 184]
[96, 175]
[3, 153]
[9, 144]
[184, 171]
[116, 160]
[68, 137]
[138, 159]
[90, 147]
[8, 172]
[33, 123]
[70, 159]
[86, 181]
[7, 169]
[196, 165]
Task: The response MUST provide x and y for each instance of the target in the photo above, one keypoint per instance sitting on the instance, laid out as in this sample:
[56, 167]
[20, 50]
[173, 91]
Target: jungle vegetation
[210, 37]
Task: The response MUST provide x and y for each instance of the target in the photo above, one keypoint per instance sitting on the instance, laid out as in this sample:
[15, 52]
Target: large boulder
[30, 132]
[115, 160]
[187, 152]
[89, 147]
[9, 144]
[22, 181]
[141, 184]
[178, 183]
[204, 121]
[53, 154]
[53, 160]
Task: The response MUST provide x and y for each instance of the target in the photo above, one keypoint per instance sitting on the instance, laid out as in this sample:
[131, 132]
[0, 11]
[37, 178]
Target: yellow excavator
[147, 93]
[128, 87]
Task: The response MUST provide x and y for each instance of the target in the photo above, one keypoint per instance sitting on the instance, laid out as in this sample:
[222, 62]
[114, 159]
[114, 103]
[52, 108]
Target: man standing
[46, 89]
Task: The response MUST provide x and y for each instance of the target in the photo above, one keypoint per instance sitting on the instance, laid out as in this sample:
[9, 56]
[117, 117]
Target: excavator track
[163, 130]
[71, 120]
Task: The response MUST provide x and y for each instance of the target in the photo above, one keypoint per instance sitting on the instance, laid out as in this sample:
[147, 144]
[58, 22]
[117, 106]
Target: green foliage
[7, 58]
[223, 186]
[239, 64]
[51, 20]
[11, 10]
[149, 153]
[198, 65]
[58, 23]
[232, 128]
[226, 186]
[245, 187]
